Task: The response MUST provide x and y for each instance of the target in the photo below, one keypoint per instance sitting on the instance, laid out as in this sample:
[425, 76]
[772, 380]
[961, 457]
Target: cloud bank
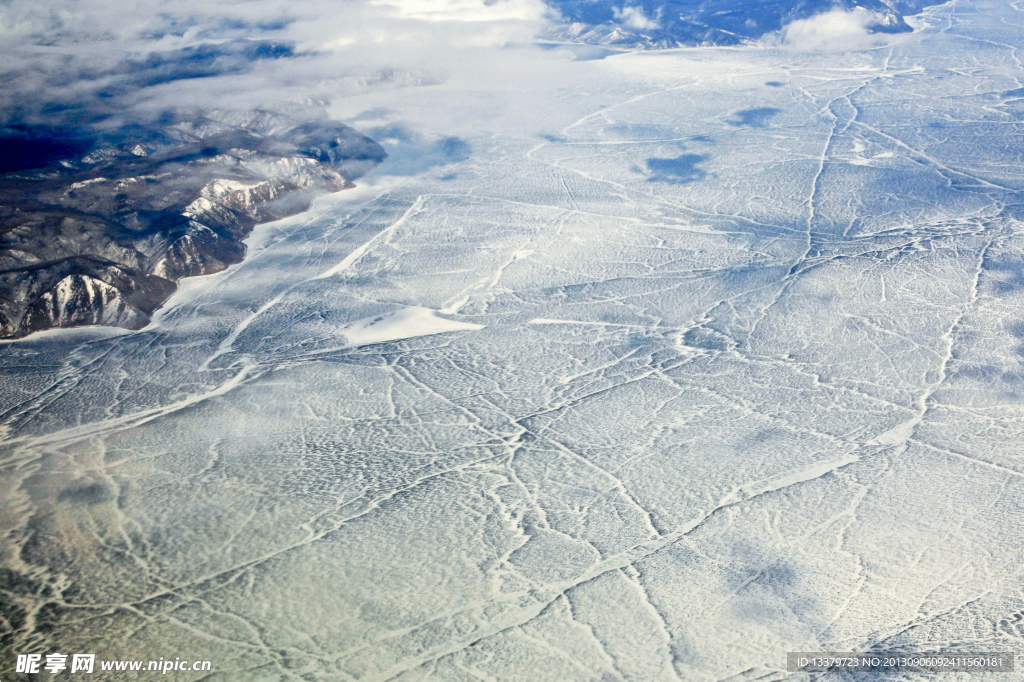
[70, 63]
[836, 30]
[633, 17]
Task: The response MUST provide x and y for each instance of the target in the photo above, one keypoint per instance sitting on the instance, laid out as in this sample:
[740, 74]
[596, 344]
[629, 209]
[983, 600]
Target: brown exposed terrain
[101, 239]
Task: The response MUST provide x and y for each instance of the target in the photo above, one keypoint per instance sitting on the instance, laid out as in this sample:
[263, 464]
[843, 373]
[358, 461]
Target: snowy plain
[692, 358]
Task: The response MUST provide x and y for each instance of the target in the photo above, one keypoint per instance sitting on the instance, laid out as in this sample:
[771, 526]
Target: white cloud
[633, 17]
[63, 51]
[835, 31]
[465, 10]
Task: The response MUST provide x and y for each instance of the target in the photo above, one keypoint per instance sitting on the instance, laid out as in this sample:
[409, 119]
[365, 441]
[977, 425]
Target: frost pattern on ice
[554, 412]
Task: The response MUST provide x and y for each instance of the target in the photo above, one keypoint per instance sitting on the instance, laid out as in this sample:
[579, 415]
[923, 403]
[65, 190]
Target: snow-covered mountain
[101, 239]
[659, 24]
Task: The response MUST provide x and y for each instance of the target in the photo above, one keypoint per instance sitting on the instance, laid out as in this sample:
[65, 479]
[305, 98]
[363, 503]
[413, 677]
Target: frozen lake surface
[671, 363]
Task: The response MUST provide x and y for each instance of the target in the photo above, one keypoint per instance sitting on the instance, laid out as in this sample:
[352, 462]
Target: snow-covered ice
[698, 357]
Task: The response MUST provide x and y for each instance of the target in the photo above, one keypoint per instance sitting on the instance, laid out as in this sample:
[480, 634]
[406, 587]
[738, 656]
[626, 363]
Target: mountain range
[678, 23]
[101, 238]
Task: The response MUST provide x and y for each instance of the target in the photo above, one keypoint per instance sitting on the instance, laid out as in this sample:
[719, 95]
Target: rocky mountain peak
[101, 237]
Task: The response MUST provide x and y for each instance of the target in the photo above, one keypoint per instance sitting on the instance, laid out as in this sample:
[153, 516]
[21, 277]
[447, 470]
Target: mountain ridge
[650, 24]
[102, 238]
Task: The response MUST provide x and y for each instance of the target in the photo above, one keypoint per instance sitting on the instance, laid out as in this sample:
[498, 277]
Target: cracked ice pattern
[565, 412]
